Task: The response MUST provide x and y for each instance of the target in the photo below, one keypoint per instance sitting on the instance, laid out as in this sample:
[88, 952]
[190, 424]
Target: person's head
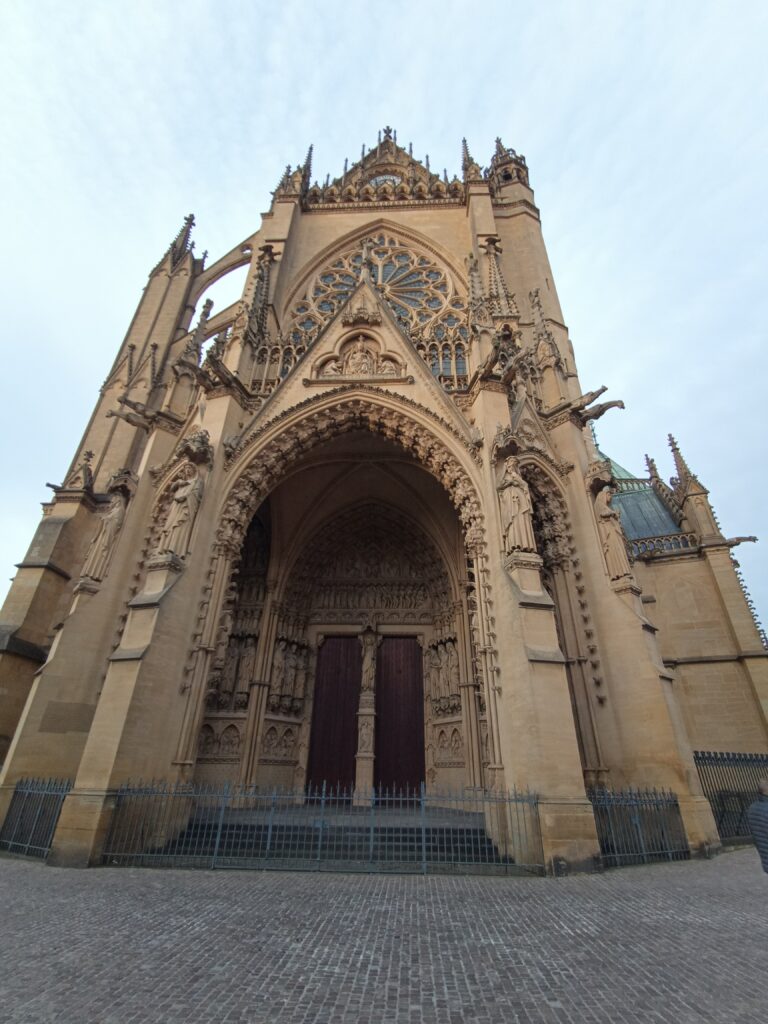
[763, 787]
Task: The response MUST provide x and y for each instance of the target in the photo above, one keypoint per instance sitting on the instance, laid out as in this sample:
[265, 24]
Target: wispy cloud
[644, 127]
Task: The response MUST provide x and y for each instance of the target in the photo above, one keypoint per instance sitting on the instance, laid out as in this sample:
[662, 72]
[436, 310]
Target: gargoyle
[585, 415]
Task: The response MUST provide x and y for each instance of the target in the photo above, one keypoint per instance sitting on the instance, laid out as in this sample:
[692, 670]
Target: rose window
[422, 295]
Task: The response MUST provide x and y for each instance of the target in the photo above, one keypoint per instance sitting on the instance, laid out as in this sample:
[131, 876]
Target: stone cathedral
[355, 530]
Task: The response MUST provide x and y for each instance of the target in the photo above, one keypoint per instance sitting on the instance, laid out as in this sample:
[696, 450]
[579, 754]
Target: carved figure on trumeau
[180, 518]
[365, 737]
[369, 643]
[614, 549]
[516, 509]
[103, 544]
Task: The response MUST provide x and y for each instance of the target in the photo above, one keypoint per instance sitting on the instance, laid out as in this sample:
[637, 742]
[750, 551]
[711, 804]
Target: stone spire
[194, 347]
[500, 299]
[181, 244]
[469, 168]
[685, 478]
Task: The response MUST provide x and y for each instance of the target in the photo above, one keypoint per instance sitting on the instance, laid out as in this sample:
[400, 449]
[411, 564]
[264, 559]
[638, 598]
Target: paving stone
[664, 944]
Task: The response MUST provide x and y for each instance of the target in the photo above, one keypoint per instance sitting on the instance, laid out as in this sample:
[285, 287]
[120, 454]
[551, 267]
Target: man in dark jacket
[757, 816]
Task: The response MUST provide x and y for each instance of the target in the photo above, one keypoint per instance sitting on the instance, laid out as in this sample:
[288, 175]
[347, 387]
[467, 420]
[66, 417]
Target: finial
[653, 472]
[684, 475]
[410, 149]
[426, 161]
[394, 137]
[387, 132]
[500, 151]
[445, 175]
[362, 153]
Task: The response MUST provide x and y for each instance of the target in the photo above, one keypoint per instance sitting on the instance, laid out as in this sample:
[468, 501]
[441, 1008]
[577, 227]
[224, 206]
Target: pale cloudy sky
[644, 126]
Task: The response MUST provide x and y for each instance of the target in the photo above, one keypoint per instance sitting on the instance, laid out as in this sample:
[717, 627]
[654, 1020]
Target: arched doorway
[374, 598]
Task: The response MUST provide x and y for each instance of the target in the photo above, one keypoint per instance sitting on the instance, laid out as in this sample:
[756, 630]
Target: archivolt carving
[551, 524]
[236, 448]
[355, 413]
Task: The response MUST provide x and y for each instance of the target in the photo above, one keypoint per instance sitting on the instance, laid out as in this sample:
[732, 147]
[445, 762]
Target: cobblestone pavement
[666, 943]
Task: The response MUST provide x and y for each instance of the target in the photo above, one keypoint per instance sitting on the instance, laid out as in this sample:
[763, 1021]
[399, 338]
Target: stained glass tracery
[423, 296]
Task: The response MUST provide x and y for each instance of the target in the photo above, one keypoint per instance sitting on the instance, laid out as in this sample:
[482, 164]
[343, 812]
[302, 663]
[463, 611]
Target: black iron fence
[32, 816]
[638, 826]
[325, 829]
[730, 784]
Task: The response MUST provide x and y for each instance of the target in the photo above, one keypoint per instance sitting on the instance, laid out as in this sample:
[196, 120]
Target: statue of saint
[369, 643]
[453, 667]
[614, 548]
[102, 545]
[177, 529]
[516, 510]
[278, 667]
[359, 362]
[365, 737]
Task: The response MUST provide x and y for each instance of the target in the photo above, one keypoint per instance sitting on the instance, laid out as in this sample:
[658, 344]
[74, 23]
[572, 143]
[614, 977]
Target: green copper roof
[643, 513]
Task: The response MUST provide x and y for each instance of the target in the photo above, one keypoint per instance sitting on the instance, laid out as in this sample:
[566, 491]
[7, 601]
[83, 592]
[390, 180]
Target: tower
[355, 529]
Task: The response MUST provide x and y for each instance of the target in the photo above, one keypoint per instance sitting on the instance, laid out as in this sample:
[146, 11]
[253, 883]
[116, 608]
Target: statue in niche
[100, 552]
[444, 677]
[387, 368]
[516, 509]
[180, 518]
[291, 667]
[278, 667]
[365, 737]
[433, 672]
[359, 362]
[332, 368]
[452, 658]
[369, 644]
[614, 549]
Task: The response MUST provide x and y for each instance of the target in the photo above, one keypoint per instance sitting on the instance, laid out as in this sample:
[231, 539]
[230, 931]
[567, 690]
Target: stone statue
[614, 549]
[102, 545]
[516, 509]
[291, 667]
[332, 368]
[181, 515]
[453, 667]
[369, 644]
[433, 672]
[359, 363]
[365, 737]
[278, 667]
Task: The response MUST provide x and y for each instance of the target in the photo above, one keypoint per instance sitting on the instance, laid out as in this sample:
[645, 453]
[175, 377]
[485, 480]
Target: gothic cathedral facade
[354, 530]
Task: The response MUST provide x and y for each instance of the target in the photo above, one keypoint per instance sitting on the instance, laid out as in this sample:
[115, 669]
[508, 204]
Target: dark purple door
[333, 741]
[399, 714]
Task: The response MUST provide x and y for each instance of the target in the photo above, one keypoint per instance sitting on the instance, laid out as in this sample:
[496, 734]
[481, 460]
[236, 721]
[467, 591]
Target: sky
[645, 130]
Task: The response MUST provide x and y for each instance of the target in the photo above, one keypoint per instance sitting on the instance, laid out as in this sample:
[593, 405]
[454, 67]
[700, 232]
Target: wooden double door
[399, 735]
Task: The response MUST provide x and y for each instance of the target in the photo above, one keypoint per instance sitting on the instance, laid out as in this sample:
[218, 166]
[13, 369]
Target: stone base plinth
[82, 830]
[568, 835]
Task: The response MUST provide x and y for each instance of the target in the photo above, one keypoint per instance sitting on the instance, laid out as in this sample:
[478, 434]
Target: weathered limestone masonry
[355, 529]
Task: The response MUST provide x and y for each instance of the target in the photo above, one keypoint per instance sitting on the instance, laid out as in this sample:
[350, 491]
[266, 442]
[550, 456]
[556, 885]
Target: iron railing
[638, 826]
[730, 784]
[32, 816]
[325, 829]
